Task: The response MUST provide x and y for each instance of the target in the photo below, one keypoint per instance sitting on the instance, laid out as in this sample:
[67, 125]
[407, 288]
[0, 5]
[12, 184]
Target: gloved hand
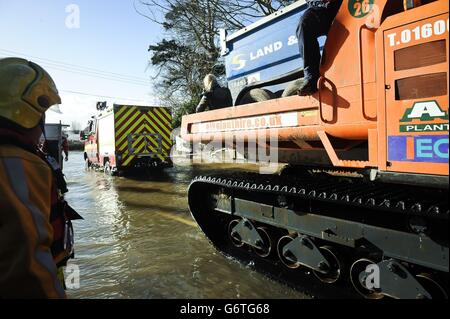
[67, 158]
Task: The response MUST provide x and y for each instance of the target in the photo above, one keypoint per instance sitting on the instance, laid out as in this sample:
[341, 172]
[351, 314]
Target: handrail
[361, 76]
[320, 85]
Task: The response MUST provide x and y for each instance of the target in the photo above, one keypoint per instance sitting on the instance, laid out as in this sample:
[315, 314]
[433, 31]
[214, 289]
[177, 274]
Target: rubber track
[341, 190]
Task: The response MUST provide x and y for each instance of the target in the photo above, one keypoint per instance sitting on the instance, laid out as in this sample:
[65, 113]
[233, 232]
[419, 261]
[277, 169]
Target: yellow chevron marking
[120, 112]
[128, 160]
[165, 111]
[119, 131]
[166, 142]
[124, 117]
[167, 139]
[152, 116]
[131, 157]
[139, 150]
[141, 137]
[162, 117]
[125, 145]
[122, 123]
[155, 130]
[164, 133]
[151, 127]
[131, 130]
[153, 142]
[165, 129]
[137, 142]
[169, 122]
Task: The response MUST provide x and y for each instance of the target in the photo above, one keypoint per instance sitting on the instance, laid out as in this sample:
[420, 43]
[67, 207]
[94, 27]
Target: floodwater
[139, 241]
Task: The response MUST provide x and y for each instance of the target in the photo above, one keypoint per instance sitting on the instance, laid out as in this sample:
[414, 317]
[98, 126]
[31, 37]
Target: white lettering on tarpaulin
[292, 40]
[239, 61]
[268, 49]
[249, 123]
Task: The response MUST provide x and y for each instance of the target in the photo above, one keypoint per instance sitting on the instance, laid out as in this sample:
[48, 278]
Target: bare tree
[234, 14]
[190, 48]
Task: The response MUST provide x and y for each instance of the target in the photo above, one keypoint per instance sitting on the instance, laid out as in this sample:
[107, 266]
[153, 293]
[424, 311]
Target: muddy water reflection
[139, 241]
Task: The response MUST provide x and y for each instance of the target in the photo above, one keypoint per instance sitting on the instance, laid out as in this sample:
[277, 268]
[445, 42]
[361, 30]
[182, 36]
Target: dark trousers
[313, 24]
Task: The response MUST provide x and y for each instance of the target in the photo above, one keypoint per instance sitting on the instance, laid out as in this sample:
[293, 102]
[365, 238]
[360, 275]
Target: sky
[95, 50]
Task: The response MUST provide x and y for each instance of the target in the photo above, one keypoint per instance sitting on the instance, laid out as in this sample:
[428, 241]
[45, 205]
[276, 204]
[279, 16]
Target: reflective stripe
[17, 178]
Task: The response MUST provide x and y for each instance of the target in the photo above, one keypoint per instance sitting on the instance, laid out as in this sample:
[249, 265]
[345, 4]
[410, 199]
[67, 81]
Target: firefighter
[65, 146]
[53, 150]
[315, 22]
[35, 233]
[214, 96]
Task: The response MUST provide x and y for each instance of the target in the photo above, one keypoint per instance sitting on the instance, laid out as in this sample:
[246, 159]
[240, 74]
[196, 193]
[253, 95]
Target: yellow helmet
[26, 92]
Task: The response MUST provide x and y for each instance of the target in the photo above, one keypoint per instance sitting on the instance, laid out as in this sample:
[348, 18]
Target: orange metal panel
[357, 100]
[416, 136]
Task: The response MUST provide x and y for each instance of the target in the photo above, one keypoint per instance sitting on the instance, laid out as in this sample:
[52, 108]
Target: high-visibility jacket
[27, 267]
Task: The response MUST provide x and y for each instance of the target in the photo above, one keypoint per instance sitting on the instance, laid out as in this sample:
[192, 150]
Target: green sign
[360, 8]
[425, 111]
[419, 128]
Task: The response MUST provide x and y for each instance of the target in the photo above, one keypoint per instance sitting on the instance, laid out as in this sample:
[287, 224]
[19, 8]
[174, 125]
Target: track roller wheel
[358, 281]
[267, 245]
[281, 244]
[234, 236]
[333, 274]
[431, 286]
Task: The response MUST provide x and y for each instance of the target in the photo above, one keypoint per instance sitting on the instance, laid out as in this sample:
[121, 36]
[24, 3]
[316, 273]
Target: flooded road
[139, 241]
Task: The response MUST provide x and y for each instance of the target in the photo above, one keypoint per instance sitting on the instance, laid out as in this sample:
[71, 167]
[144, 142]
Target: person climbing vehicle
[315, 22]
[214, 96]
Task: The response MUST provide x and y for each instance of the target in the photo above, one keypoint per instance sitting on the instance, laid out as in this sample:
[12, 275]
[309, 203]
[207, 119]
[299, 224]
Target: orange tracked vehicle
[363, 198]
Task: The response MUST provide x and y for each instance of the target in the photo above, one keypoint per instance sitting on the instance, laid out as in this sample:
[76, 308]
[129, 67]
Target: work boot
[309, 87]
